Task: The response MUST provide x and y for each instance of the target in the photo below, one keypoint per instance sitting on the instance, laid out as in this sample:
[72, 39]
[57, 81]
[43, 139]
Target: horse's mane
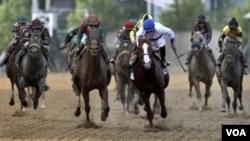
[143, 39]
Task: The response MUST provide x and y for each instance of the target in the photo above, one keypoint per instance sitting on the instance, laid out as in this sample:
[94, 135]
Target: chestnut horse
[149, 77]
[92, 72]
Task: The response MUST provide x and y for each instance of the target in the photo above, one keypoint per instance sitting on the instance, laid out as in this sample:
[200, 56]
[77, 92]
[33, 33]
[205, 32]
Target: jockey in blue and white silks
[156, 31]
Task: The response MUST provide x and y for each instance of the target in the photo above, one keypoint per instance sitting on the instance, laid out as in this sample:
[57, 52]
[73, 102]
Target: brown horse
[92, 72]
[10, 69]
[122, 71]
[149, 77]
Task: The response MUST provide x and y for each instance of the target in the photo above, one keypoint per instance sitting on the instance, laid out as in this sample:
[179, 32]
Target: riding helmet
[147, 16]
[92, 19]
[201, 17]
[22, 18]
[148, 25]
[36, 24]
[233, 23]
[129, 25]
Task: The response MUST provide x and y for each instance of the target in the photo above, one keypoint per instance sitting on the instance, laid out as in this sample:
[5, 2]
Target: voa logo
[236, 132]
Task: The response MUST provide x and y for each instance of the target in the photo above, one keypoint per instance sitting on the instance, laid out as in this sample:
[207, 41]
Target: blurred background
[61, 16]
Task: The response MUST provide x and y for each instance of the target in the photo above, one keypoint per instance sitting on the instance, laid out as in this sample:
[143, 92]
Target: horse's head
[125, 45]
[94, 41]
[197, 42]
[145, 51]
[35, 44]
[231, 49]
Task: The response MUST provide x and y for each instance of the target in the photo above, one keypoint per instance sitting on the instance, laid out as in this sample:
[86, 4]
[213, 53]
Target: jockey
[155, 31]
[69, 36]
[121, 36]
[202, 25]
[137, 26]
[92, 21]
[232, 30]
[35, 26]
[22, 22]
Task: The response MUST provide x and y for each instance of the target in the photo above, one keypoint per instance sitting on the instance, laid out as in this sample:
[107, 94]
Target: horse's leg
[150, 113]
[161, 97]
[156, 105]
[12, 98]
[207, 92]
[198, 92]
[86, 102]
[191, 84]
[105, 104]
[237, 94]
[240, 98]
[120, 88]
[131, 98]
[77, 92]
[22, 96]
[225, 97]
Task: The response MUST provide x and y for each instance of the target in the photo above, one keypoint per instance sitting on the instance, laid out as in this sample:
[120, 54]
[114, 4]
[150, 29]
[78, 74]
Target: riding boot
[74, 59]
[188, 60]
[244, 61]
[210, 52]
[46, 55]
[218, 64]
[19, 56]
[5, 59]
[8, 52]
[112, 60]
[163, 57]
[105, 55]
[132, 72]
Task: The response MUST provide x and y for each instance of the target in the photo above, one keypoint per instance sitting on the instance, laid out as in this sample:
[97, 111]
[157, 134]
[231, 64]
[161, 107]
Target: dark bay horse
[32, 71]
[149, 77]
[10, 69]
[201, 68]
[122, 72]
[232, 71]
[92, 72]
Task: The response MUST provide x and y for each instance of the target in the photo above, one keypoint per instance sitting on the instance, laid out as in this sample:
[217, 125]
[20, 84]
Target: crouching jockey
[91, 22]
[202, 25]
[17, 29]
[155, 31]
[232, 30]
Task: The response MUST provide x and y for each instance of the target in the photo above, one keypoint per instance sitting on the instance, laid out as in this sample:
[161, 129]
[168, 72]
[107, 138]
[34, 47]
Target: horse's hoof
[223, 111]
[77, 112]
[12, 102]
[241, 107]
[104, 114]
[25, 103]
[46, 87]
[190, 95]
[164, 115]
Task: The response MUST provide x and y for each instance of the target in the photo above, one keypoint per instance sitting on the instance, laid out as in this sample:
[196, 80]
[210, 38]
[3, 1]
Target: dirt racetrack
[57, 121]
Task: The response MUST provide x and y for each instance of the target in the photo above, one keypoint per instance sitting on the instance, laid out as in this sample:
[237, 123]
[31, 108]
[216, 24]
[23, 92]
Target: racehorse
[122, 71]
[92, 72]
[149, 77]
[232, 70]
[32, 71]
[10, 69]
[201, 68]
